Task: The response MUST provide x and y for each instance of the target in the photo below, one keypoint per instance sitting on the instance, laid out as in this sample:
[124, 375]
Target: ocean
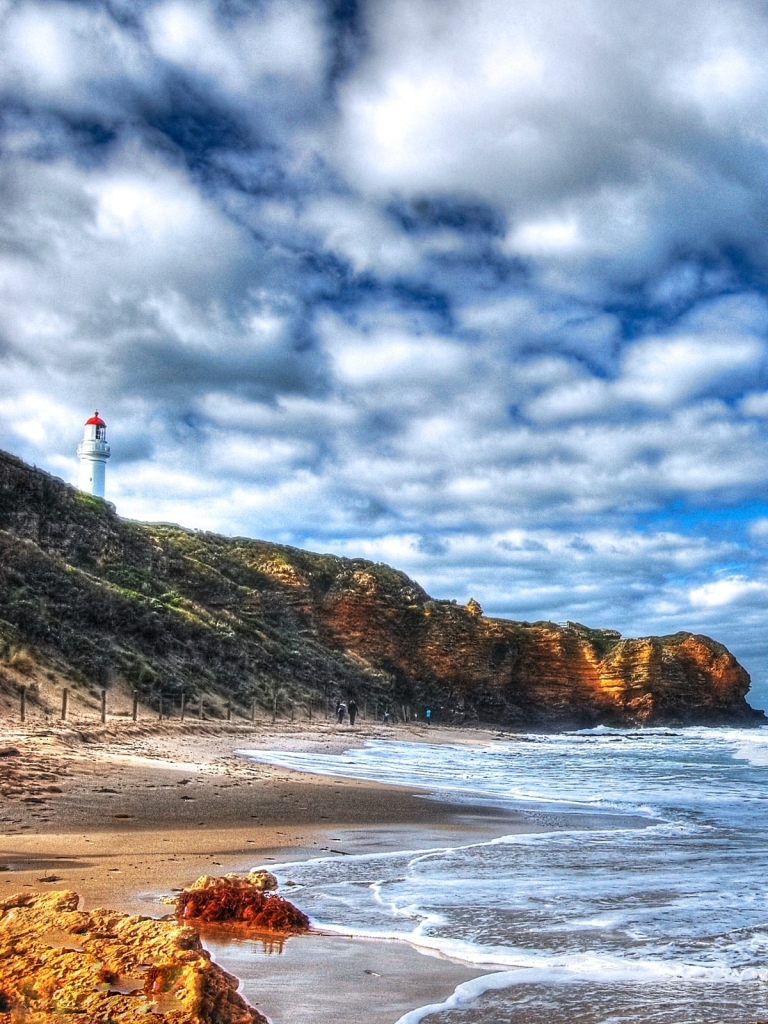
[644, 898]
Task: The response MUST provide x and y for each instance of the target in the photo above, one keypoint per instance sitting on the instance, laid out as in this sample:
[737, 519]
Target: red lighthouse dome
[95, 420]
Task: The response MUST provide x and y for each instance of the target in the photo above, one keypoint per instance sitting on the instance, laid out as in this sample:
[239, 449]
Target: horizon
[475, 291]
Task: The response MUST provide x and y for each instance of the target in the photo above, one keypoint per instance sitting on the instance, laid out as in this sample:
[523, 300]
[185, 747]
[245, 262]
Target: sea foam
[671, 899]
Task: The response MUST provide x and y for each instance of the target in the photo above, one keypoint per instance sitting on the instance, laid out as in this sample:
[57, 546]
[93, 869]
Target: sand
[126, 814]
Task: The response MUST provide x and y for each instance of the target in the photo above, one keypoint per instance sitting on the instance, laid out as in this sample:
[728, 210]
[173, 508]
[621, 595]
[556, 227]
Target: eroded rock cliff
[101, 600]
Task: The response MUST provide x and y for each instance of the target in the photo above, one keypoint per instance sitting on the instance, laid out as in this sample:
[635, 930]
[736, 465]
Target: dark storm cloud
[468, 286]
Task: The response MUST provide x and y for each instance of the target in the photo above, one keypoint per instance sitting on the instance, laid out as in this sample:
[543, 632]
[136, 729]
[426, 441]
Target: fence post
[160, 707]
[292, 710]
[103, 706]
[135, 705]
[253, 710]
[200, 713]
[274, 708]
[64, 703]
[23, 703]
[183, 702]
[229, 710]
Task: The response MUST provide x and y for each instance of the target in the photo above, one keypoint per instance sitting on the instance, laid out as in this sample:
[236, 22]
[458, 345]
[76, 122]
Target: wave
[674, 894]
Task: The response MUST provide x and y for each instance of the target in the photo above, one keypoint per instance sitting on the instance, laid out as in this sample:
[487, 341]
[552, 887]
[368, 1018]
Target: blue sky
[475, 288]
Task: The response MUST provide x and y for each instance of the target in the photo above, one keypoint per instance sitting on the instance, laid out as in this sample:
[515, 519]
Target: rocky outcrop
[99, 599]
[60, 963]
[242, 905]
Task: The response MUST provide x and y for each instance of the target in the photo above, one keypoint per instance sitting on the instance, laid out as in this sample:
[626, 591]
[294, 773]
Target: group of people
[344, 708]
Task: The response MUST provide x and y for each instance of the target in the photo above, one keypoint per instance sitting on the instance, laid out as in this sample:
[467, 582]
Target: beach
[450, 875]
[125, 815]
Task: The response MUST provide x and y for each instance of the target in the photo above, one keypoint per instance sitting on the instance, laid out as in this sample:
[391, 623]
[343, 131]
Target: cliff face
[539, 673]
[167, 610]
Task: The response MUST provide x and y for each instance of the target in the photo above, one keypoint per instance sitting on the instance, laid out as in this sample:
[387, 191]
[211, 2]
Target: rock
[259, 879]
[241, 905]
[262, 879]
[60, 963]
[192, 611]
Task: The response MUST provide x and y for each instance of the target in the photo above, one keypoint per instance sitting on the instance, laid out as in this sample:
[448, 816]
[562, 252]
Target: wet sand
[126, 816]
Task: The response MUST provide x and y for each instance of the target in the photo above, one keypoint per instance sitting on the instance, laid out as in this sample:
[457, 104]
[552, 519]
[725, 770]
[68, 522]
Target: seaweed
[240, 904]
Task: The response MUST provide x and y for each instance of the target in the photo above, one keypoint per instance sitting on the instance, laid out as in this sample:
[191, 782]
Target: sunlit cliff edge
[90, 600]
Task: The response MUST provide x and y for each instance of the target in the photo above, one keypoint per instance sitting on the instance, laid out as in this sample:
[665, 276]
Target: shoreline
[125, 817]
[176, 794]
[140, 814]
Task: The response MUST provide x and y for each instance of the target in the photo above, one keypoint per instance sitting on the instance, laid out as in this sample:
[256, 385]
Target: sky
[475, 288]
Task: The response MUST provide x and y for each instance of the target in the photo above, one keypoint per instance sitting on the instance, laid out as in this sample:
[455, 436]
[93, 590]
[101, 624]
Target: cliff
[98, 601]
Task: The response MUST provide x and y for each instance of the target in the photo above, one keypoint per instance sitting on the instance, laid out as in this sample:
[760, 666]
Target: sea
[643, 899]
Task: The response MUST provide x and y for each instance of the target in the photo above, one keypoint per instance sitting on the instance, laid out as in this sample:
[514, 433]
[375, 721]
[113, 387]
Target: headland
[180, 620]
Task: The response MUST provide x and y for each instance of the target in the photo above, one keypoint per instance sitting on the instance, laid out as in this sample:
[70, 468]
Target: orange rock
[540, 674]
[59, 963]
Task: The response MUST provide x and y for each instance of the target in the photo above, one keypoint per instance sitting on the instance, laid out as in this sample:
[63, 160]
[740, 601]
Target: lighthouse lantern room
[93, 452]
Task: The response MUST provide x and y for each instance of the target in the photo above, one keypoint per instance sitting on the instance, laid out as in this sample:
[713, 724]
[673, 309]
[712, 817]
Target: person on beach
[386, 718]
[352, 709]
[341, 710]
[428, 716]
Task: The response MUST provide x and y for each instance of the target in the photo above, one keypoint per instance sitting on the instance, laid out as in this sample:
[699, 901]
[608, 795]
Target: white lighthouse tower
[93, 452]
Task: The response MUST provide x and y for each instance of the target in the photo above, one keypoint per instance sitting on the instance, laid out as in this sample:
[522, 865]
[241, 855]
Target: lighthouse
[93, 452]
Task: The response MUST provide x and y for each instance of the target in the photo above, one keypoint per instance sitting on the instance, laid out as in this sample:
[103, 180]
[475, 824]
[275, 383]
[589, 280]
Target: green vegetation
[166, 609]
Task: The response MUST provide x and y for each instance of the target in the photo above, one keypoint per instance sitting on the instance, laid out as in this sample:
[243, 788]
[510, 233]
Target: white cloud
[597, 155]
[666, 371]
[361, 234]
[66, 53]
[755, 404]
[660, 372]
[726, 592]
[282, 39]
[548, 236]
[392, 358]
[100, 246]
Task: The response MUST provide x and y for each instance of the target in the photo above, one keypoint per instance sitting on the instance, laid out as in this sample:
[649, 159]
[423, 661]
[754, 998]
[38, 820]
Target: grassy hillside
[90, 600]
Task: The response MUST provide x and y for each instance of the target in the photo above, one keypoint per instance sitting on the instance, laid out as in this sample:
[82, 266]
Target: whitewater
[643, 899]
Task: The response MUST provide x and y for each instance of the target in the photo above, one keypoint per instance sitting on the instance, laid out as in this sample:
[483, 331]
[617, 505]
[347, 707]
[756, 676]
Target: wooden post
[23, 703]
[253, 710]
[200, 713]
[135, 705]
[160, 707]
[229, 710]
[274, 708]
[309, 708]
[292, 710]
[64, 703]
[183, 703]
[103, 706]
[365, 709]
